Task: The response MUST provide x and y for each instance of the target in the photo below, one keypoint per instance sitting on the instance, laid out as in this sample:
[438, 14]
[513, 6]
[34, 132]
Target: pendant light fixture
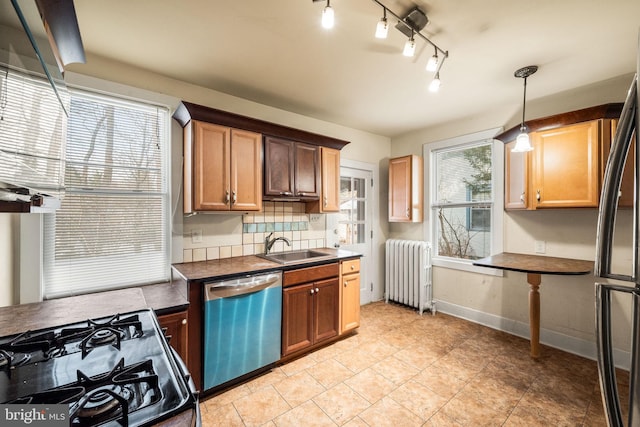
[382, 29]
[522, 141]
[327, 16]
[409, 46]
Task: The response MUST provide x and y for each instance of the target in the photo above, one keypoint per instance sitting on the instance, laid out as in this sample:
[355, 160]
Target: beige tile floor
[402, 369]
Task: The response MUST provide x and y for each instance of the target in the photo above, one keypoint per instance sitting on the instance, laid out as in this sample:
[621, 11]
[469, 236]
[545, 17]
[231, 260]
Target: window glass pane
[463, 174]
[460, 234]
[345, 187]
[112, 229]
[359, 187]
[360, 234]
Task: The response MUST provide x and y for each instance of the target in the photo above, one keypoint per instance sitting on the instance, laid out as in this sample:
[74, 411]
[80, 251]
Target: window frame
[164, 194]
[497, 182]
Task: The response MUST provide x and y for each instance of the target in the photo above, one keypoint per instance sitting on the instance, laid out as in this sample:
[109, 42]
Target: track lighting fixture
[327, 16]
[434, 86]
[410, 25]
[409, 46]
[382, 29]
[522, 141]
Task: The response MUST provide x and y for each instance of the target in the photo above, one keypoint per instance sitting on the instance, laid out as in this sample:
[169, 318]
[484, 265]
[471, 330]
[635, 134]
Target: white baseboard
[557, 340]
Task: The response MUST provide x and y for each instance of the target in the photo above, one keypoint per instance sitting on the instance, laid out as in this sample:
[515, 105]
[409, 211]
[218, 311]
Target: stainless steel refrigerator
[620, 153]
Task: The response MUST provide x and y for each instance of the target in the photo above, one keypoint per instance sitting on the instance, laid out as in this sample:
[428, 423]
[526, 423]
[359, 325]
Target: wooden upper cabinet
[292, 169]
[564, 170]
[330, 177]
[223, 168]
[405, 189]
[566, 166]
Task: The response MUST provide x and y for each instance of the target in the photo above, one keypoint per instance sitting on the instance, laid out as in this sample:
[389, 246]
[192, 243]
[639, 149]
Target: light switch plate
[540, 246]
[196, 236]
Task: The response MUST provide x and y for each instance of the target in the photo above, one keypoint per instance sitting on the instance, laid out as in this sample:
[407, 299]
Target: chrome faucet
[268, 242]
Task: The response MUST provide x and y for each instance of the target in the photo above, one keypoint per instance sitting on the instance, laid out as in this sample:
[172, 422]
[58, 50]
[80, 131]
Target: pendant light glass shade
[327, 17]
[522, 143]
[409, 47]
[382, 29]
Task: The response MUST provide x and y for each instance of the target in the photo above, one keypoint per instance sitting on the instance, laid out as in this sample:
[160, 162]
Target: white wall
[567, 302]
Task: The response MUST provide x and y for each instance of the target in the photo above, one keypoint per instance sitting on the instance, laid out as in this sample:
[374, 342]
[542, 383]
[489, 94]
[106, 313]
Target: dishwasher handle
[239, 287]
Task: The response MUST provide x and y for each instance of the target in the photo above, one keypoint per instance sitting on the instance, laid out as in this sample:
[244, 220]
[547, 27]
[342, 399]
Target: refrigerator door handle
[606, 366]
[611, 187]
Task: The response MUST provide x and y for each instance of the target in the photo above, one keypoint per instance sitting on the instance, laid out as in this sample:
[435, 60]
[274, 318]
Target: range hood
[37, 39]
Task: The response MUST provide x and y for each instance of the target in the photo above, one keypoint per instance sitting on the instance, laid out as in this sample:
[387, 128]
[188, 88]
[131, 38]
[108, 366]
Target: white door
[354, 228]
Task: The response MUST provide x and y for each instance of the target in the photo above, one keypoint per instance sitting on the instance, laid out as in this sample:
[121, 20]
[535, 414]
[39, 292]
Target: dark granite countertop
[163, 298]
[227, 267]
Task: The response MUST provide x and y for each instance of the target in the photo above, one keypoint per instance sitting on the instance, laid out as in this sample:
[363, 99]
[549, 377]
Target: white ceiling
[276, 53]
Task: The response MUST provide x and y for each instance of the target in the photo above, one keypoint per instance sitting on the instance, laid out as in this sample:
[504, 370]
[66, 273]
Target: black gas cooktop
[116, 370]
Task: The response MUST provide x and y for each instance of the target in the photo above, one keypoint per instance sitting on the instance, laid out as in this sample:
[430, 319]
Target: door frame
[373, 276]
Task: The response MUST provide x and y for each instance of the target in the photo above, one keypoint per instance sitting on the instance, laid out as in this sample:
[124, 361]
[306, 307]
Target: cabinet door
[330, 201]
[326, 309]
[516, 178]
[246, 170]
[400, 189]
[350, 307]
[297, 318]
[211, 161]
[279, 160]
[176, 328]
[307, 170]
[566, 166]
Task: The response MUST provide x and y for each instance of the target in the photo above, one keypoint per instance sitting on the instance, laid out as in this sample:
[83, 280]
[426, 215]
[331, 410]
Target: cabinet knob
[522, 196]
[407, 213]
[286, 193]
[302, 193]
[184, 321]
[538, 195]
[312, 291]
[325, 201]
[317, 290]
[235, 197]
[353, 267]
[226, 199]
[346, 282]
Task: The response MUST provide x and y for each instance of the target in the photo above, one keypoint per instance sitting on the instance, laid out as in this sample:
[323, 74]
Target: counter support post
[534, 281]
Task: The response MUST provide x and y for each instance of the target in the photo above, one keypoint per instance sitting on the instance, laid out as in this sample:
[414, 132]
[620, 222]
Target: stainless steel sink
[295, 256]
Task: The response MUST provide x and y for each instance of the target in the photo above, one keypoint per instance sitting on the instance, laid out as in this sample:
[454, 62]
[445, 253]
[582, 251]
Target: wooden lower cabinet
[349, 295]
[176, 330]
[310, 311]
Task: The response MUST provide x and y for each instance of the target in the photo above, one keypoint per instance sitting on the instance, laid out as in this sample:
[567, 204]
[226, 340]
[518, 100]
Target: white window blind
[112, 229]
[32, 133]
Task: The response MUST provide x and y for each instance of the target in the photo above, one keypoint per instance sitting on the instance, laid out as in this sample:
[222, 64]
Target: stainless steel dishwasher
[242, 320]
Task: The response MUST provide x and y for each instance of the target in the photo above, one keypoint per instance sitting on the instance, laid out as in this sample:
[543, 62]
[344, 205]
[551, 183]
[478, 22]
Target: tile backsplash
[231, 235]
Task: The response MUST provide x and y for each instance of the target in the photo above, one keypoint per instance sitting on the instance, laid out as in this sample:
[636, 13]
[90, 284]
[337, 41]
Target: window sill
[466, 266]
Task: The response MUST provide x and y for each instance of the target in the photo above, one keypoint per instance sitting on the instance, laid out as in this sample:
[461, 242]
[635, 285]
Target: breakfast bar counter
[535, 266]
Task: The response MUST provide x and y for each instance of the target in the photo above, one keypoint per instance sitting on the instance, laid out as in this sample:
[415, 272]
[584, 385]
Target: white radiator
[408, 274]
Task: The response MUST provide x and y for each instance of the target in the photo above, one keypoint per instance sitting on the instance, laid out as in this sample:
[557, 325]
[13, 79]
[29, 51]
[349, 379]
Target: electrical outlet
[196, 236]
[314, 218]
[540, 246]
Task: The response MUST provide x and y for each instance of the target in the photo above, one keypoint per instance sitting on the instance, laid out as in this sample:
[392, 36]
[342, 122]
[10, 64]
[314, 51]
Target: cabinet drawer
[351, 266]
[310, 274]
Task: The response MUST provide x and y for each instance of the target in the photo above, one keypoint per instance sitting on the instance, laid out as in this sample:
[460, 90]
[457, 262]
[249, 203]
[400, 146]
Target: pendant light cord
[524, 104]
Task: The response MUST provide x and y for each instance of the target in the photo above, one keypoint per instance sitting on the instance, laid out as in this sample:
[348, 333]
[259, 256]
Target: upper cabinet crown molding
[605, 111]
[187, 111]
